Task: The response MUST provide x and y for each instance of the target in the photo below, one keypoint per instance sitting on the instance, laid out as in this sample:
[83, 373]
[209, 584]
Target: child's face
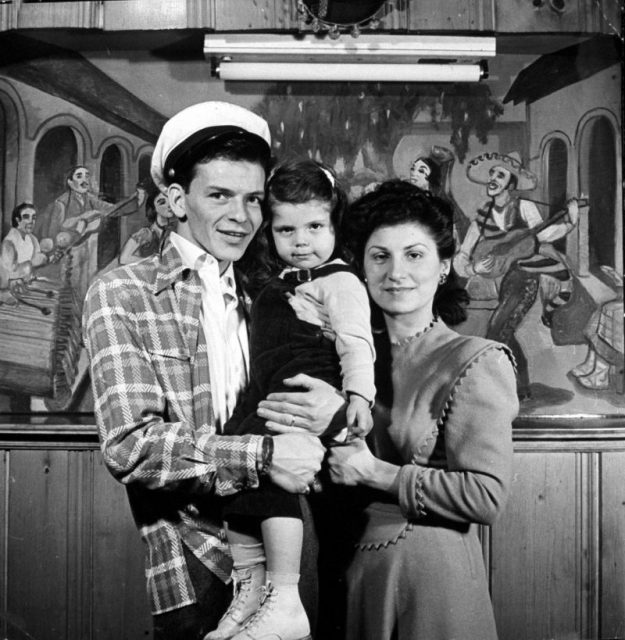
[303, 233]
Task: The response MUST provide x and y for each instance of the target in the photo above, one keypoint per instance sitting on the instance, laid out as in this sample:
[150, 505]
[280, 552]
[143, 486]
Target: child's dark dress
[281, 346]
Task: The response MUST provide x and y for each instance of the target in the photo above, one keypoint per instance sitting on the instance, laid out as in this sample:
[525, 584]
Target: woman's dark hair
[398, 202]
[293, 182]
[150, 209]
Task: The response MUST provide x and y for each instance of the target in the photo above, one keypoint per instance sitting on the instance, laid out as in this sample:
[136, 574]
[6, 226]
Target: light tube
[350, 72]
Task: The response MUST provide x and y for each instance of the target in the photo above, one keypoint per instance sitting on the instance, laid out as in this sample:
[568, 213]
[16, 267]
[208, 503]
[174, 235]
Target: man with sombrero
[504, 263]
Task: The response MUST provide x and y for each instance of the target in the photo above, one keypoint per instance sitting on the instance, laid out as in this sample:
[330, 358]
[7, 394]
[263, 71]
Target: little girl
[311, 317]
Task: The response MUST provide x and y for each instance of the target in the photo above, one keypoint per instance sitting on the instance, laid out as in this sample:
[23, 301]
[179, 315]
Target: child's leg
[282, 538]
[248, 575]
[281, 613]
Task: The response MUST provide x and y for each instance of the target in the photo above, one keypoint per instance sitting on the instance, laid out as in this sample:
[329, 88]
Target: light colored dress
[418, 570]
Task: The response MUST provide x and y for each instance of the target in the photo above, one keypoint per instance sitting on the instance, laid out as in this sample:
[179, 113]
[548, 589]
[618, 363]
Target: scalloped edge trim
[445, 412]
[376, 546]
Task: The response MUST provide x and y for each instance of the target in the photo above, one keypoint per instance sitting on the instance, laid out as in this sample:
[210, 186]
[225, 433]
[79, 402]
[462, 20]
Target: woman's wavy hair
[292, 182]
[398, 202]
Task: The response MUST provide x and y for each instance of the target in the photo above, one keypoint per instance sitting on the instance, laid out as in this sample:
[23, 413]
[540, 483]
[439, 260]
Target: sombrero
[478, 168]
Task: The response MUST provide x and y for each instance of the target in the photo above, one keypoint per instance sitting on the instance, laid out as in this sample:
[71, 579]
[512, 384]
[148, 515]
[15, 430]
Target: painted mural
[536, 200]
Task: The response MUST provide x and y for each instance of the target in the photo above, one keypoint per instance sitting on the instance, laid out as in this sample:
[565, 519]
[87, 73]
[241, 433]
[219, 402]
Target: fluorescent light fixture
[368, 58]
[367, 47]
[349, 72]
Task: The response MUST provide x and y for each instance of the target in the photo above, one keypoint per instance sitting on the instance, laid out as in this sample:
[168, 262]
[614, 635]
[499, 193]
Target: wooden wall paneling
[4, 538]
[587, 549]
[8, 16]
[450, 15]
[575, 15]
[120, 607]
[71, 15]
[37, 571]
[612, 522]
[248, 14]
[535, 552]
[201, 14]
[122, 15]
[79, 543]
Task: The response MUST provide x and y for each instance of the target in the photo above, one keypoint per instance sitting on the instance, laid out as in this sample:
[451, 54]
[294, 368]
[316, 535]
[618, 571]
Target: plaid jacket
[149, 371]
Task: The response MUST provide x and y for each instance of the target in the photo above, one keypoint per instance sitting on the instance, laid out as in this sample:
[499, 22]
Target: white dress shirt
[224, 326]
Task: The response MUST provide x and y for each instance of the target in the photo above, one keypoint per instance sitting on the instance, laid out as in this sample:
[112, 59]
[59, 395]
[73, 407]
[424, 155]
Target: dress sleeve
[140, 445]
[477, 433]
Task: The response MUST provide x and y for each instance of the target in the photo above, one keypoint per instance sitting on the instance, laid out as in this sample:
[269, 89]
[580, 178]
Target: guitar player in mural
[507, 254]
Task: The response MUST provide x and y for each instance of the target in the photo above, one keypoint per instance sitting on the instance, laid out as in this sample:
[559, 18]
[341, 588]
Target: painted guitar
[512, 246]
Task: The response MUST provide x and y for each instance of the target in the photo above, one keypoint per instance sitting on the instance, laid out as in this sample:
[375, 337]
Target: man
[20, 245]
[167, 342]
[501, 262]
[76, 214]
[20, 251]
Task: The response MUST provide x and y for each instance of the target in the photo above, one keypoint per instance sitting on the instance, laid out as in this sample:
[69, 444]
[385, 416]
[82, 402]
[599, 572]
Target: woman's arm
[478, 448]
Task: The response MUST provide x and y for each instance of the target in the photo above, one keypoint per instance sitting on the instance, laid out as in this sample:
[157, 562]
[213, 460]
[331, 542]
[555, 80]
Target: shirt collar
[195, 258]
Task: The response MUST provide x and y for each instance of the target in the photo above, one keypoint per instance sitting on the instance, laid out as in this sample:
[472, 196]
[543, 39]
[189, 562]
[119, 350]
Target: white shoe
[586, 367]
[598, 380]
[281, 616]
[248, 584]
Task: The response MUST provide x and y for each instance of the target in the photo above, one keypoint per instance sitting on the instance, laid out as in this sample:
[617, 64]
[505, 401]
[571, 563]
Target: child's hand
[359, 420]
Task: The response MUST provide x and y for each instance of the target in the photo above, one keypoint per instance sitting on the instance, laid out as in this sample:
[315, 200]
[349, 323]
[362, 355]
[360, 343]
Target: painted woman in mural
[507, 253]
[146, 241]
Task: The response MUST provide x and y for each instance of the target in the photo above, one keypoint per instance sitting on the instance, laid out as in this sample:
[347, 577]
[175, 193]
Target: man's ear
[177, 201]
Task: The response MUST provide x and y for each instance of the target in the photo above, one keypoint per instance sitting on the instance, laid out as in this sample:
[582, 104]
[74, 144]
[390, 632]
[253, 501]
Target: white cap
[194, 126]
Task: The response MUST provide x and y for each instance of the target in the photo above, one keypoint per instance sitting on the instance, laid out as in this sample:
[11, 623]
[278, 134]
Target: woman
[437, 462]
[425, 173]
[146, 241]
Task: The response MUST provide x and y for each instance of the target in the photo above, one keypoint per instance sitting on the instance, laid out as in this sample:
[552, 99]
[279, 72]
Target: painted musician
[503, 262]
[20, 251]
[73, 221]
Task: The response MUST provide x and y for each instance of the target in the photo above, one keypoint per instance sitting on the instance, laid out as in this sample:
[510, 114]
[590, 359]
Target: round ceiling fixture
[337, 15]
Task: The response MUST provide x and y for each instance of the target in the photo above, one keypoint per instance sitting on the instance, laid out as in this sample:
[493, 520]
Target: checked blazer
[152, 394]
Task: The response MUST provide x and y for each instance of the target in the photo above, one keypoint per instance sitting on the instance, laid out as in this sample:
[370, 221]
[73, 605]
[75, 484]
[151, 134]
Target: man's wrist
[265, 456]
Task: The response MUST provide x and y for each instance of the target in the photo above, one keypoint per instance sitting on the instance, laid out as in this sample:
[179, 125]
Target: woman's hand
[311, 411]
[353, 464]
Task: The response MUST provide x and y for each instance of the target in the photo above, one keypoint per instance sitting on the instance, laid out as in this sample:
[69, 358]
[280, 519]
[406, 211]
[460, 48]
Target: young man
[167, 342]
[20, 244]
[513, 279]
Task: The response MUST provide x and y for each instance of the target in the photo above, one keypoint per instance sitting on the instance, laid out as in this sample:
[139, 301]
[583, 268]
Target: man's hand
[296, 459]
[314, 410]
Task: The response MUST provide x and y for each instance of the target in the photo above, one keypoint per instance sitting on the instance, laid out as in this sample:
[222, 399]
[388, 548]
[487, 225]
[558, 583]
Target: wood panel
[450, 15]
[71, 560]
[559, 16]
[4, 537]
[536, 551]
[122, 15]
[612, 547]
[119, 566]
[72, 15]
[37, 545]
